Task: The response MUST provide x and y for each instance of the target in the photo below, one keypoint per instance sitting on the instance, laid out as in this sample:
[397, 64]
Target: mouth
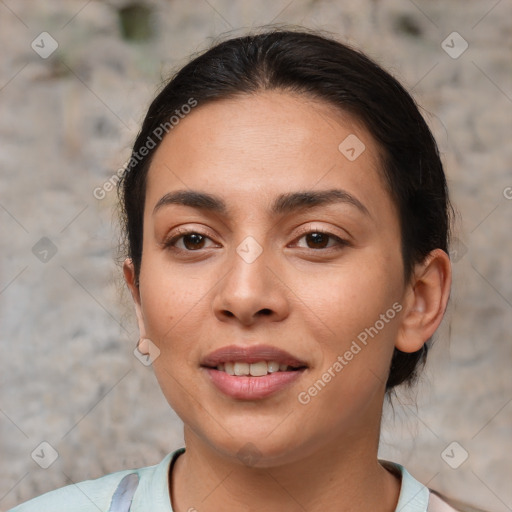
[254, 361]
[249, 373]
[259, 369]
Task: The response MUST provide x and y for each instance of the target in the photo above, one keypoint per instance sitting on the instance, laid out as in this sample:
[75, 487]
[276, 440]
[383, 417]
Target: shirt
[152, 493]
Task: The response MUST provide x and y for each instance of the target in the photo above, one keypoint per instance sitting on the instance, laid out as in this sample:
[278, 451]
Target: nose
[251, 291]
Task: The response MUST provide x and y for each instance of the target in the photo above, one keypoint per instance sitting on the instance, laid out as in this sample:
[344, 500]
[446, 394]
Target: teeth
[272, 367]
[241, 368]
[258, 369]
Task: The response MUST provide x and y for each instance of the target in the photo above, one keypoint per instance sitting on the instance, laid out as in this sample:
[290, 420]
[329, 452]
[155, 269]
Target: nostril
[265, 312]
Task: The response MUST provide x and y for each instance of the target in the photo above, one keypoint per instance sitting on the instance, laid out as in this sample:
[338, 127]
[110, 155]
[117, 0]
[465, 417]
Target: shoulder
[440, 503]
[416, 497]
[91, 495]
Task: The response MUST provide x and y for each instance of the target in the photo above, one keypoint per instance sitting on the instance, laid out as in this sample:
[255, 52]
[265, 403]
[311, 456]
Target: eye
[190, 241]
[316, 239]
[319, 239]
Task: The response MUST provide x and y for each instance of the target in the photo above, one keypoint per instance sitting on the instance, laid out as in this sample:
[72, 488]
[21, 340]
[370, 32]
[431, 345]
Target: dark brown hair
[307, 62]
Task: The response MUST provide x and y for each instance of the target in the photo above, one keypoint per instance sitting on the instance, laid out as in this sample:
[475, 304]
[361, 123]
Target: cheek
[173, 317]
[169, 298]
[351, 296]
[354, 318]
[352, 369]
[176, 309]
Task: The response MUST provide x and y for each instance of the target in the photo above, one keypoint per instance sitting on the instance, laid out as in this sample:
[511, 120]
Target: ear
[425, 301]
[129, 276]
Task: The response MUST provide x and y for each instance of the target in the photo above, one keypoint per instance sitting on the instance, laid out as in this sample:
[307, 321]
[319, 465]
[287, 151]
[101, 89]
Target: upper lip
[251, 354]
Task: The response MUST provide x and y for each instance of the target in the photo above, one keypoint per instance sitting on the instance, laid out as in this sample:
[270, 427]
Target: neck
[344, 472]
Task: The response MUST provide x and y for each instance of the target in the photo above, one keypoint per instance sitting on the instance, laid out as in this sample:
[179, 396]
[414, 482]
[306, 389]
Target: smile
[258, 369]
[252, 372]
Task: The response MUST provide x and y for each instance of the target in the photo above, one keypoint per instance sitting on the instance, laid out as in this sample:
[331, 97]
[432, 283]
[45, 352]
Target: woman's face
[293, 246]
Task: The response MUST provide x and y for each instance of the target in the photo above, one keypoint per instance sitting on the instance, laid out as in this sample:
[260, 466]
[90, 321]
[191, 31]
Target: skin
[317, 298]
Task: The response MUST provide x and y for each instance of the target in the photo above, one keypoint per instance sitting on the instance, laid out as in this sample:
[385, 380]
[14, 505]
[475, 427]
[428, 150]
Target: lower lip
[252, 388]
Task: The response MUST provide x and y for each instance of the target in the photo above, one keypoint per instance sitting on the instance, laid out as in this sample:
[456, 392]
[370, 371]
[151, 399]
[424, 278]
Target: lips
[252, 373]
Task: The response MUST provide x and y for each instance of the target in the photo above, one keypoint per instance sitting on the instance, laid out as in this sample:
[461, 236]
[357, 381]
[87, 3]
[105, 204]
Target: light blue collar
[414, 495]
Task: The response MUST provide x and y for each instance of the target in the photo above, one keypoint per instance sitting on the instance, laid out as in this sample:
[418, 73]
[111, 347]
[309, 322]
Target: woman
[287, 226]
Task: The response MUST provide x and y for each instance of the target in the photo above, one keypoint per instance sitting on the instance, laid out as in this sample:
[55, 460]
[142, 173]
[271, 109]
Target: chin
[259, 449]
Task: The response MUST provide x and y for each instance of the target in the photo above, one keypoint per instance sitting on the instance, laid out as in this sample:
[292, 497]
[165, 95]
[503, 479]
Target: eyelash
[170, 243]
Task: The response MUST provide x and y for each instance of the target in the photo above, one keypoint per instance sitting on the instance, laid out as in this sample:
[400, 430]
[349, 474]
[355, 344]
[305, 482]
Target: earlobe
[130, 278]
[426, 297]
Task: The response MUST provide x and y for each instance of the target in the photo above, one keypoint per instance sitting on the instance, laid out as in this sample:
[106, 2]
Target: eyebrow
[283, 204]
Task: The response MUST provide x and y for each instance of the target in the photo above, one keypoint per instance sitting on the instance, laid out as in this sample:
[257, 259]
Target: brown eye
[317, 240]
[187, 241]
[193, 241]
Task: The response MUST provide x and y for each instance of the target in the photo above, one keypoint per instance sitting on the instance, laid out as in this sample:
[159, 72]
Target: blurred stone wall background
[68, 116]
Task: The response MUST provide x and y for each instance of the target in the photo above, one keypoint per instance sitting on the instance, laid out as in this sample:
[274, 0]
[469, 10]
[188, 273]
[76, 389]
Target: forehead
[255, 146]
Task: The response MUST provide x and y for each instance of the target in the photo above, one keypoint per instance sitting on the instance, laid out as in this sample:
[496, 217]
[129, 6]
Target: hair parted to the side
[311, 63]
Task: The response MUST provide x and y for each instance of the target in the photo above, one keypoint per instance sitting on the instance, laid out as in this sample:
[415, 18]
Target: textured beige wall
[68, 374]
